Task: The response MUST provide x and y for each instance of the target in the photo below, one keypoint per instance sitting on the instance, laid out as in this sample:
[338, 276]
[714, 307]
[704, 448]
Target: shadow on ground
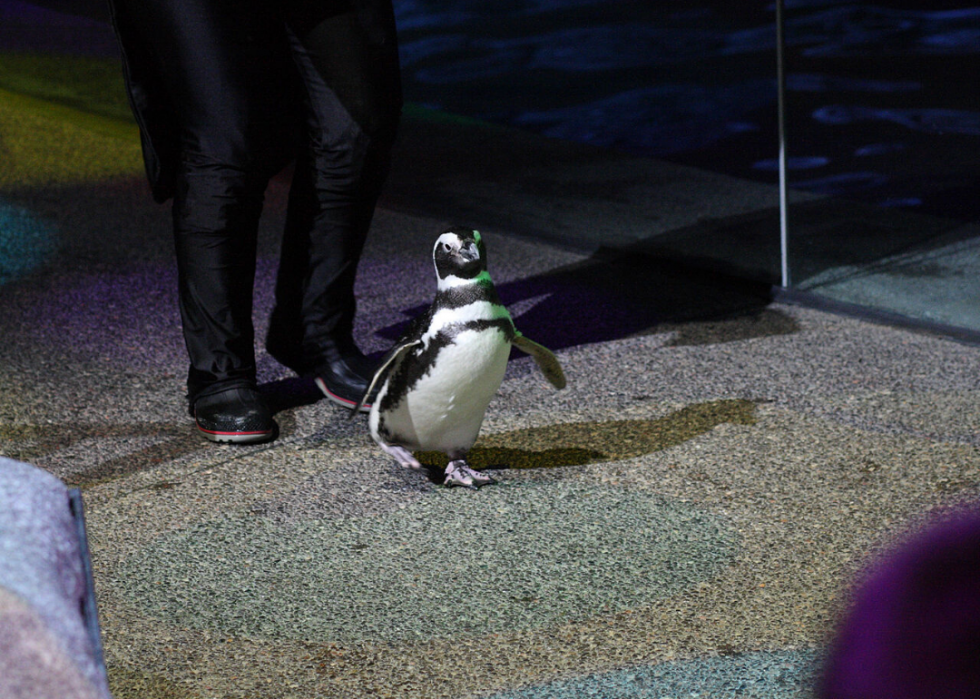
[131, 683]
[616, 294]
[291, 392]
[164, 443]
[583, 443]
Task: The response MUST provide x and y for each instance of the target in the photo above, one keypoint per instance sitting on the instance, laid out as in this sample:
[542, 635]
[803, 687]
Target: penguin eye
[445, 247]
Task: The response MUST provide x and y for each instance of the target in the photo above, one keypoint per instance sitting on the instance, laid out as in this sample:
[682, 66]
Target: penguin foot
[402, 455]
[459, 473]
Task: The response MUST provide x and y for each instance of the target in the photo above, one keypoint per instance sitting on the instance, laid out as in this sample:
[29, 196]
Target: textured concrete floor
[683, 520]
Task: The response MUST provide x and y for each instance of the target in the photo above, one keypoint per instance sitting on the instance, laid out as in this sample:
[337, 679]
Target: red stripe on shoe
[330, 394]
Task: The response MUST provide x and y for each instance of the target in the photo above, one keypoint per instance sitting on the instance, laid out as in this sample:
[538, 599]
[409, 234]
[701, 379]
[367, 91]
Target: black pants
[238, 75]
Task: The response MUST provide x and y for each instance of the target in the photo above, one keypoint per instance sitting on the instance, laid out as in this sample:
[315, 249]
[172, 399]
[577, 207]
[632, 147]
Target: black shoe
[344, 379]
[238, 415]
[341, 372]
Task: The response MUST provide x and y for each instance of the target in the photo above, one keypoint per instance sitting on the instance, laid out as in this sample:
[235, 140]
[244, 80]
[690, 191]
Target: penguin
[438, 379]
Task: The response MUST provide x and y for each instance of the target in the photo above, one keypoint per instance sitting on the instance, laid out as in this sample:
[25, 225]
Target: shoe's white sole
[236, 437]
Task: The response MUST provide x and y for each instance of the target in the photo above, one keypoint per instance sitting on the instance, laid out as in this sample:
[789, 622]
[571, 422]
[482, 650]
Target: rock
[46, 649]
[33, 662]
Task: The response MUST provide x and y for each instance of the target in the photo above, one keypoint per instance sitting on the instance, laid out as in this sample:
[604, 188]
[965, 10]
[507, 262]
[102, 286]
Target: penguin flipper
[545, 359]
[393, 355]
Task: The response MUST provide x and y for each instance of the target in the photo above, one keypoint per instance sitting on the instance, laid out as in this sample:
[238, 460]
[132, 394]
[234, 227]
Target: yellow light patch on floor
[87, 83]
[44, 144]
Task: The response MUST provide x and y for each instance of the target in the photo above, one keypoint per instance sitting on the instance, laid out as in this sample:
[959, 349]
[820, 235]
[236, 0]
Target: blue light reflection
[26, 242]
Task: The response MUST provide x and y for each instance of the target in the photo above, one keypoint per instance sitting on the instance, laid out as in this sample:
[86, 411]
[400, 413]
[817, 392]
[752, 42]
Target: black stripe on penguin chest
[467, 294]
[421, 361]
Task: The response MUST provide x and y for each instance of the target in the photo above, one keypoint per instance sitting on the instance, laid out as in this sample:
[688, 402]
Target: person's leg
[348, 63]
[214, 59]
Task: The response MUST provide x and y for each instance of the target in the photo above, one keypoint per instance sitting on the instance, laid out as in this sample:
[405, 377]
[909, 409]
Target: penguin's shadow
[585, 443]
[625, 292]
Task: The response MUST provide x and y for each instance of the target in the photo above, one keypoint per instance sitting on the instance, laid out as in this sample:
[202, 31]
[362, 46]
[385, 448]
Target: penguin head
[459, 254]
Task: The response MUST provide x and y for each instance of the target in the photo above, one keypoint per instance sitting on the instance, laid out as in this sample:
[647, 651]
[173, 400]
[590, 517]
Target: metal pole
[781, 116]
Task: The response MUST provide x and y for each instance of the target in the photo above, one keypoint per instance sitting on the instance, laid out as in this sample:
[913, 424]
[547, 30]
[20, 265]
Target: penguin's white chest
[444, 410]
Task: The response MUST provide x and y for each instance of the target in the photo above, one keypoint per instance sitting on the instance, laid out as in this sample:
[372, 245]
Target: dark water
[883, 100]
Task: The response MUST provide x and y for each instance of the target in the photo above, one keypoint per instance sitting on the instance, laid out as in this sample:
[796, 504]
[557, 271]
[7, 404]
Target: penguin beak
[469, 251]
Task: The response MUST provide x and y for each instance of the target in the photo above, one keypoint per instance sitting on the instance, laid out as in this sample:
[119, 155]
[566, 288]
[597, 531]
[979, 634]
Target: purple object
[914, 629]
